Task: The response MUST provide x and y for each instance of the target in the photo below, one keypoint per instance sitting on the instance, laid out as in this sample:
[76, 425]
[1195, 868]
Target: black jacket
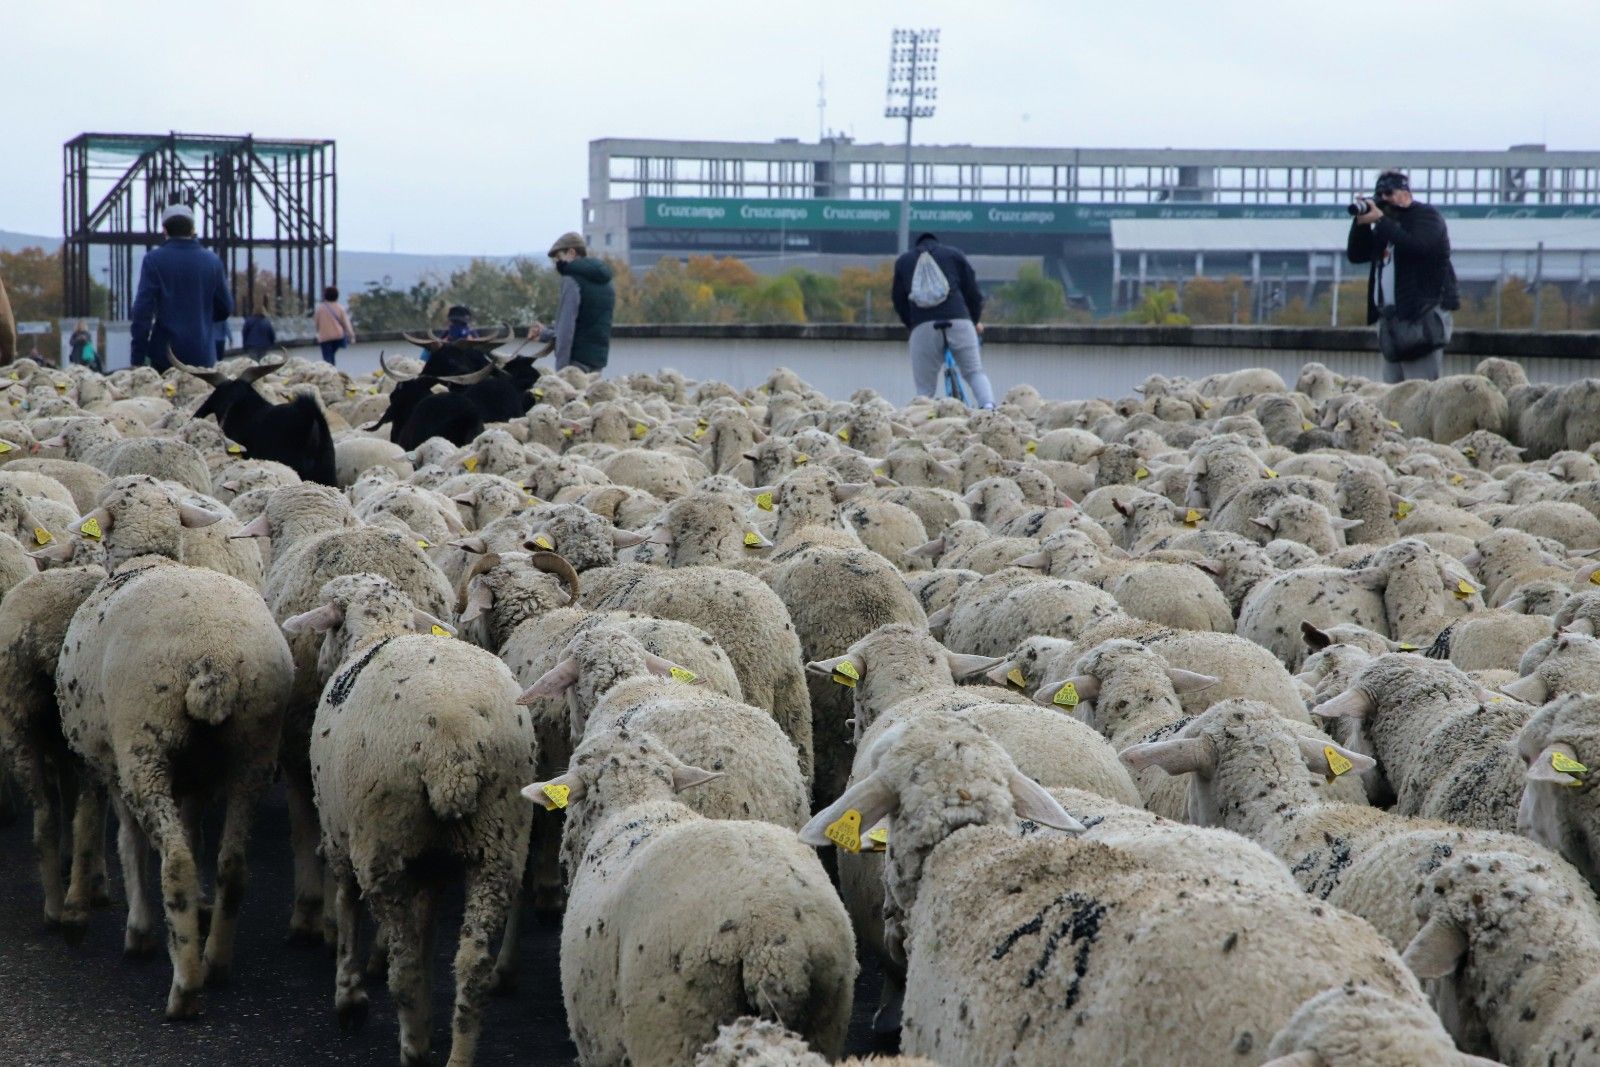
[1422, 271]
[965, 300]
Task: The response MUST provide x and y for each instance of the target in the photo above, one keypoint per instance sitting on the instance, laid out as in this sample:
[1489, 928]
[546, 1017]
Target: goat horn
[262, 369]
[390, 371]
[209, 375]
[467, 379]
[429, 342]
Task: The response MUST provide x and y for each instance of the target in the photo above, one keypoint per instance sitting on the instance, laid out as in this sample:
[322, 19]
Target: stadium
[1107, 223]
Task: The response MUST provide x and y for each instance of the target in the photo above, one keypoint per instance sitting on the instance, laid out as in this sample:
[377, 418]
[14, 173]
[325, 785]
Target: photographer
[1411, 286]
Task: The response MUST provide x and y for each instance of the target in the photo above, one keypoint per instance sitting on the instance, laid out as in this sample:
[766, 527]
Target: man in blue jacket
[183, 293]
[959, 310]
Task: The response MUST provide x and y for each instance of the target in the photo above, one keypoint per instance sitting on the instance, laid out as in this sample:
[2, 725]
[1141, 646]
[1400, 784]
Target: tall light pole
[913, 73]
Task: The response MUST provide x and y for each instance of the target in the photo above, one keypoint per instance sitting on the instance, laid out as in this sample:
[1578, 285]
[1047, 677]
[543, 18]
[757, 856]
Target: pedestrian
[582, 330]
[80, 347]
[1411, 284]
[183, 293]
[333, 325]
[257, 334]
[459, 324]
[934, 288]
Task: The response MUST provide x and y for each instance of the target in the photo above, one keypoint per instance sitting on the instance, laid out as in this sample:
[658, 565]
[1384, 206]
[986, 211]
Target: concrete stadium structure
[1105, 221]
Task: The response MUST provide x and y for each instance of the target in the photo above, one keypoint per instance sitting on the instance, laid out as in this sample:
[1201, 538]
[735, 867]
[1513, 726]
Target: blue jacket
[258, 332]
[183, 291]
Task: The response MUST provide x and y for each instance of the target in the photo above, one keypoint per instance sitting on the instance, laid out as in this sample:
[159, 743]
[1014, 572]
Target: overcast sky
[463, 126]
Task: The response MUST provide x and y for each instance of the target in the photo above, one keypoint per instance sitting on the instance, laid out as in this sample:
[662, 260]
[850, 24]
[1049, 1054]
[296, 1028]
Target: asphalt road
[88, 1005]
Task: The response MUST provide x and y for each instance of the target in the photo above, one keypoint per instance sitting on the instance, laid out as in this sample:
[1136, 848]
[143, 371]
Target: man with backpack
[936, 295]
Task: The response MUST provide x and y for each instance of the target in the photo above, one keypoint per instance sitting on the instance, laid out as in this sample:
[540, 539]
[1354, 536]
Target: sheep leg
[231, 876]
[405, 912]
[491, 889]
[305, 833]
[189, 809]
[180, 887]
[42, 791]
[87, 886]
[504, 981]
[133, 848]
[349, 999]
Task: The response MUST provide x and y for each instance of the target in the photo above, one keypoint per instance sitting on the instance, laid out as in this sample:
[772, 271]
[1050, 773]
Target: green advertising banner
[979, 217]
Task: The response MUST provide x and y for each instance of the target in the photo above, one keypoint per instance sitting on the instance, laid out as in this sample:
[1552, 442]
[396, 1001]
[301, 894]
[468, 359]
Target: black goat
[490, 393]
[294, 433]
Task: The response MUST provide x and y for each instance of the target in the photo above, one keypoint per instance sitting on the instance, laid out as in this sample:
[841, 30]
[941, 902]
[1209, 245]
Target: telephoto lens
[1359, 206]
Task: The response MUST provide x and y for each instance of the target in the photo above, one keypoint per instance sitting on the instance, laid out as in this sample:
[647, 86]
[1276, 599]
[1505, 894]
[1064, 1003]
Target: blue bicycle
[953, 386]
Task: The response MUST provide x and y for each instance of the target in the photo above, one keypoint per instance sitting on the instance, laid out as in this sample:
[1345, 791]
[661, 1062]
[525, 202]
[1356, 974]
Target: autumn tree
[1158, 307]
[1033, 297]
[1217, 301]
[864, 291]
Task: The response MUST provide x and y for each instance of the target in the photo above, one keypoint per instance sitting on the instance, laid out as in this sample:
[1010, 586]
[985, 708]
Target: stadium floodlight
[913, 91]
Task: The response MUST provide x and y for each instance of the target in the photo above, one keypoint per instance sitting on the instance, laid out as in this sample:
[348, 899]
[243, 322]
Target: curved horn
[467, 379]
[429, 342]
[556, 564]
[390, 371]
[209, 375]
[480, 564]
[262, 369]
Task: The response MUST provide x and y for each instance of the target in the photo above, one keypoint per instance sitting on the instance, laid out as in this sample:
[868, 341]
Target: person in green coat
[582, 330]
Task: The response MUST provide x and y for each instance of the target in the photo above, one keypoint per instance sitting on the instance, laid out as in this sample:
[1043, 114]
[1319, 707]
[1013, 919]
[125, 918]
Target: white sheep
[416, 754]
[1559, 747]
[651, 961]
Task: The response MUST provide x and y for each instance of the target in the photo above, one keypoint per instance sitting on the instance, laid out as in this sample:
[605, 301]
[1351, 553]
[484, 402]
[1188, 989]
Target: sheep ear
[928, 549]
[194, 518]
[1578, 626]
[474, 544]
[871, 799]
[849, 490]
[59, 550]
[1347, 524]
[940, 617]
[1265, 523]
[661, 668]
[1035, 561]
[1034, 803]
[539, 792]
[1543, 767]
[1087, 686]
[553, 682]
[827, 668]
[1373, 578]
[315, 621]
[660, 536]
[1314, 751]
[1436, 949]
[1122, 509]
[1179, 756]
[1316, 639]
[1190, 681]
[480, 598]
[1353, 703]
[965, 666]
[687, 777]
[1530, 689]
[627, 538]
[425, 622]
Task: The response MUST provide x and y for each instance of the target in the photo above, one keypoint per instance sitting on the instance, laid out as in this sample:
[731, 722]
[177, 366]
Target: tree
[518, 292]
[1158, 307]
[823, 295]
[1217, 301]
[1031, 298]
[726, 276]
[381, 309]
[864, 292]
[774, 300]
[38, 291]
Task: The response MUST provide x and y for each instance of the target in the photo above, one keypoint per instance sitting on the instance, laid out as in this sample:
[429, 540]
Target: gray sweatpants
[1426, 368]
[927, 358]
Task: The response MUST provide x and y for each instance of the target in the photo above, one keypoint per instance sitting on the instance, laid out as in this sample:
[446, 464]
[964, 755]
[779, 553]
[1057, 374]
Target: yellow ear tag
[350, 391]
[1457, 479]
[61, 387]
[566, 431]
[1268, 472]
[235, 450]
[1566, 764]
[845, 674]
[16, 377]
[1140, 474]
[845, 831]
[1595, 577]
[438, 631]
[169, 388]
[699, 432]
[1402, 509]
[373, 389]
[764, 501]
[530, 501]
[471, 463]
[800, 458]
[1464, 589]
[752, 539]
[1470, 452]
[1066, 696]
[90, 528]
[1191, 517]
[1337, 764]
[1306, 426]
[557, 795]
[879, 837]
[1396, 425]
[639, 430]
[1017, 678]
[378, 373]
[1407, 646]
[1031, 447]
[844, 435]
[42, 536]
[683, 674]
[538, 394]
[544, 542]
[5, 446]
[422, 542]
[932, 415]
[880, 472]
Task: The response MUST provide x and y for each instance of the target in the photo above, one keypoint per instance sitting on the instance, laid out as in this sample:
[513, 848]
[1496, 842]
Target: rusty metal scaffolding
[262, 205]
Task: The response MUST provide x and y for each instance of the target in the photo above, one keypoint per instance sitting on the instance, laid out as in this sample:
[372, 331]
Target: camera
[1361, 205]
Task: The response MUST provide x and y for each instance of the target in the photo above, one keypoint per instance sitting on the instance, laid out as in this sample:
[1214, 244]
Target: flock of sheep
[1220, 724]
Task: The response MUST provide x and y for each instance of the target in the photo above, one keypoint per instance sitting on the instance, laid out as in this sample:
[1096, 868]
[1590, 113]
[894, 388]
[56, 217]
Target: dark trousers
[331, 349]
